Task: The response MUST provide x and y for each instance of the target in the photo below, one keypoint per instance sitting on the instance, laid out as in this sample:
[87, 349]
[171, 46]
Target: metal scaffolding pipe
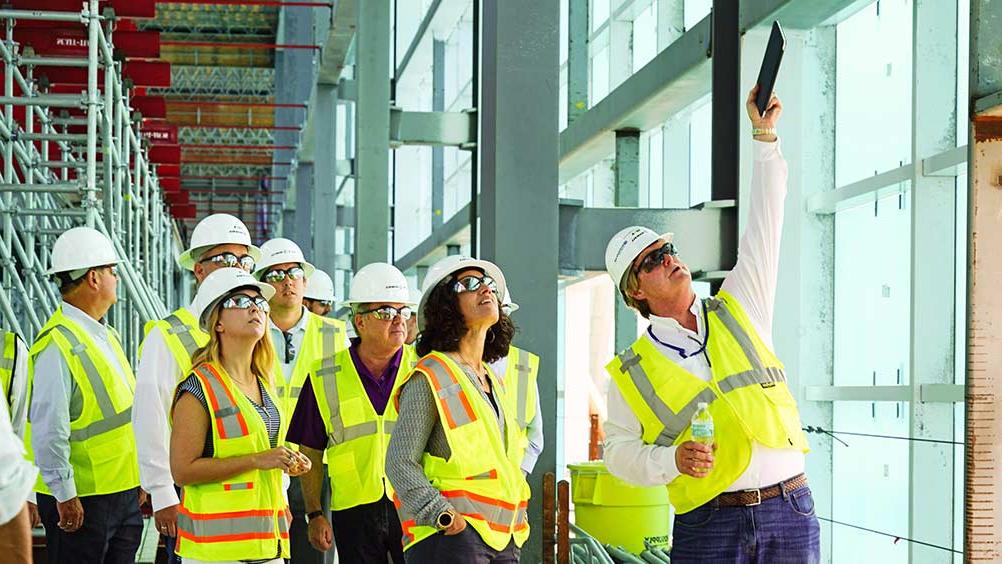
[62, 187]
[51, 100]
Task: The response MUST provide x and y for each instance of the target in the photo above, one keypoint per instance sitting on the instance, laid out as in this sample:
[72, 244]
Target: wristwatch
[313, 515]
[445, 519]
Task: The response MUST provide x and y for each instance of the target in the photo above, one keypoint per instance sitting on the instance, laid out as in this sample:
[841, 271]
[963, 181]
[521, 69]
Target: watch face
[445, 520]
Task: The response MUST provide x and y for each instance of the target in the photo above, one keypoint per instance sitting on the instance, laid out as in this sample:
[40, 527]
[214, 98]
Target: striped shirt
[267, 411]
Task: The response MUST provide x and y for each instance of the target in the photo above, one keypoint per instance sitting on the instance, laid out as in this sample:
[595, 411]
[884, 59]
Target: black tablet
[770, 67]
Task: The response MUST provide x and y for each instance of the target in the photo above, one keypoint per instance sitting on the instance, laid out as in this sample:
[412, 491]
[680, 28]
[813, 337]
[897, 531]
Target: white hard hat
[626, 246]
[379, 282]
[319, 287]
[280, 251]
[82, 248]
[219, 284]
[452, 264]
[217, 229]
[508, 305]
[415, 295]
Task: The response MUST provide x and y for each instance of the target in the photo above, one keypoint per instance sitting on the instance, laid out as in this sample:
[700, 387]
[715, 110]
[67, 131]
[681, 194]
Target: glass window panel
[599, 79]
[599, 13]
[412, 198]
[655, 156]
[645, 37]
[873, 91]
[457, 180]
[695, 10]
[700, 150]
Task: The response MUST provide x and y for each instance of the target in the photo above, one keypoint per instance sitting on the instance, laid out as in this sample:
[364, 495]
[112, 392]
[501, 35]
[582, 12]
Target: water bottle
[702, 425]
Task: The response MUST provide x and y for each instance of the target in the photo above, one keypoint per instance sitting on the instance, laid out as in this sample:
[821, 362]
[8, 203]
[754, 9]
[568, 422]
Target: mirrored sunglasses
[245, 262]
[243, 301]
[473, 283]
[389, 313]
[294, 273]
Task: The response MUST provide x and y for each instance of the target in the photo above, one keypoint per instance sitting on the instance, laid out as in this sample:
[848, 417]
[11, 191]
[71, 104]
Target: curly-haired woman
[454, 455]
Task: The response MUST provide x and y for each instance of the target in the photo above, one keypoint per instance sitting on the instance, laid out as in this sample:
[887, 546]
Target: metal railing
[55, 177]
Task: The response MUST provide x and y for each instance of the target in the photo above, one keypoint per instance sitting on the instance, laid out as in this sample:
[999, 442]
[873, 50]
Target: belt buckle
[758, 494]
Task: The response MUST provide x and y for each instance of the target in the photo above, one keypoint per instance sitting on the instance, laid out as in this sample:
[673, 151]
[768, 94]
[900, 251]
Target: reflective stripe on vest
[110, 419]
[230, 422]
[523, 370]
[7, 369]
[183, 332]
[329, 337]
[759, 373]
[446, 386]
[228, 527]
[339, 433]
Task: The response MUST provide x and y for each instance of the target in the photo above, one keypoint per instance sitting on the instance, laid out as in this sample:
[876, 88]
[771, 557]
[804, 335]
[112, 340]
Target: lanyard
[680, 350]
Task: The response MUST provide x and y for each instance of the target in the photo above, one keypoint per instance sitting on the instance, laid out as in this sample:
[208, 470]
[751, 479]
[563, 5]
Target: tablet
[770, 67]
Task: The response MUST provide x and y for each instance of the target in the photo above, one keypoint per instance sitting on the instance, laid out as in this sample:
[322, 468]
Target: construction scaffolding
[76, 152]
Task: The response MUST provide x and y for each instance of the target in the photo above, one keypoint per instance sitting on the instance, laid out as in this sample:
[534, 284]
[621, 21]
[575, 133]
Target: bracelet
[313, 515]
[760, 131]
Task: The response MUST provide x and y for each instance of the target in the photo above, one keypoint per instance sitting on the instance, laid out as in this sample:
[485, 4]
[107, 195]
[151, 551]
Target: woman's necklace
[484, 384]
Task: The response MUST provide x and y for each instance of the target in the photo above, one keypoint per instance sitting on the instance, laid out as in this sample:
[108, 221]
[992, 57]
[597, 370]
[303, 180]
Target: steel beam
[372, 194]
[627, 195]
[578, 59]
[325, 183]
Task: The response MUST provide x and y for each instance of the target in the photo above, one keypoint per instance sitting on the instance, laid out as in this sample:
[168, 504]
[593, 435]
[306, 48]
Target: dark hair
[444, 326]
[67, 284]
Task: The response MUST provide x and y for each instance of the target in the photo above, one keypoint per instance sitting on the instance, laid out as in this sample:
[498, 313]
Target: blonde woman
[227, 430]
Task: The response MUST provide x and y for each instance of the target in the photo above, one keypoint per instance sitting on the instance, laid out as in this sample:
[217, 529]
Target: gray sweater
[418, 430]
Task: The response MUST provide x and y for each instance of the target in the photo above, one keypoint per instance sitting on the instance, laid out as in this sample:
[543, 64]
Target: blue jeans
[782, 530]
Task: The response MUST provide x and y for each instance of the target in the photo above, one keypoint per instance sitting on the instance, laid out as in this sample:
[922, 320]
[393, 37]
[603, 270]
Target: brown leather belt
[748, 498]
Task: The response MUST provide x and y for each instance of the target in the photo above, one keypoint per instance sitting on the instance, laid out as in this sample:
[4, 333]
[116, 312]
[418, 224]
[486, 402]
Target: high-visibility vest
[102, 443]
[357, 435]
[7, 363]
[520, 383]
[748, 399]
[482, 478]
[183, 337]
[323, 339]
[243, 517]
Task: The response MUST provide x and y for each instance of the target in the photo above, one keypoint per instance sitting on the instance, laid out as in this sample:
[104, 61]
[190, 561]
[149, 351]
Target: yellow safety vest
[482, 478]
[357, 435]
[244, 517]
[182, 335]
[520, 383]
[747, 396]
[102, 443]
[323, 339]
[7, 369]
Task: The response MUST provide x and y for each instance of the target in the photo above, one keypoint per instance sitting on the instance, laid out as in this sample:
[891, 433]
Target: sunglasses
[389, 313]
[473, 283]
[114, 270]
[324, 303]
[294, 273]
[243, 301]
[657, 257]
[245, 262]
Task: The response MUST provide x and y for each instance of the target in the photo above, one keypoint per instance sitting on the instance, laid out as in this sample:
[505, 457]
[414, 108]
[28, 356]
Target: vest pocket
[352, 411]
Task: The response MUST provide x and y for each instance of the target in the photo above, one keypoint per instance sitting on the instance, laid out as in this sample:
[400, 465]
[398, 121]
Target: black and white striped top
[268, 411]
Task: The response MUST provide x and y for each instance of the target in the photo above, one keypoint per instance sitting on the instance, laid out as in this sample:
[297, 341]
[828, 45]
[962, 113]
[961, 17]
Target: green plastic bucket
[617, 513]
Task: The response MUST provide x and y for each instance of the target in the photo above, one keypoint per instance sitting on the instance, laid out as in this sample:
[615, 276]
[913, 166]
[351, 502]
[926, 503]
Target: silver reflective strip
[522, 375]
[227, 526]
[103, 426]
[674, 423]
[752, 377]
[450, 394]
[360, 430]
[328, 375]
[329, 335]
[239, 486]
[486, 511]
[7, 364]
[490, 474]
[90, 370]
[296, 391]
[227, 412]
[388, 426]
[183, 332]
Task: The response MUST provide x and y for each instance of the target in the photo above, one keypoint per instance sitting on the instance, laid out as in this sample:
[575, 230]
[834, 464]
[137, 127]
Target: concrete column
[578, 32]
[627, 194]
[372, 133]
[323, 204]
[518, 170]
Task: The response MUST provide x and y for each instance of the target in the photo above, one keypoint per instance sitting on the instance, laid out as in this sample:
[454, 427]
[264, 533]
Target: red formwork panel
[72, 42]
[166, 170]
[142, 73]
[186, 211]
[170, 154]
[154, 107]
[170, 184]
[159, 132]
[177, 198]
[123, 8]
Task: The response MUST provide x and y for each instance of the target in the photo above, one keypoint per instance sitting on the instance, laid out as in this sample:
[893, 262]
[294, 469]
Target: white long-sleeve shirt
[753, 284]
[534, 428]
[157, 375]
[18, 394]
[17, 475]
[56, 400]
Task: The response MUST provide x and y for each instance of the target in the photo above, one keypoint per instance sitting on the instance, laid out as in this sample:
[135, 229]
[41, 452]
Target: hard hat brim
[668, 236]
[71, 268]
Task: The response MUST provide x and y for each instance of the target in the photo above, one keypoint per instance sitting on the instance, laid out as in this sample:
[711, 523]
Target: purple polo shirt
[307, 426]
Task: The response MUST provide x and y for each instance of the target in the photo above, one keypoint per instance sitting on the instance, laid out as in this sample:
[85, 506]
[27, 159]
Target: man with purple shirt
[344, 411]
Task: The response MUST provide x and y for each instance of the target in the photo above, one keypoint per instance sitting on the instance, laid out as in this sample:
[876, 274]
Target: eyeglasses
[290, 349]
[246, 262]
[113, 269]
[243, 301]
[294, 273]
[389, 313]
[657, 257]
[323, 303]
[473, 283]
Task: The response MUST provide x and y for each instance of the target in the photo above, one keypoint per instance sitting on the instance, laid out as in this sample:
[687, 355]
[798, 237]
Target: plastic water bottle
[702, 425]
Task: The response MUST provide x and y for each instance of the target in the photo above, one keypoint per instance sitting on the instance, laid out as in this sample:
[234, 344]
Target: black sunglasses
[472, 284]
[245, 262]
[656, 257]
[275, 275]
